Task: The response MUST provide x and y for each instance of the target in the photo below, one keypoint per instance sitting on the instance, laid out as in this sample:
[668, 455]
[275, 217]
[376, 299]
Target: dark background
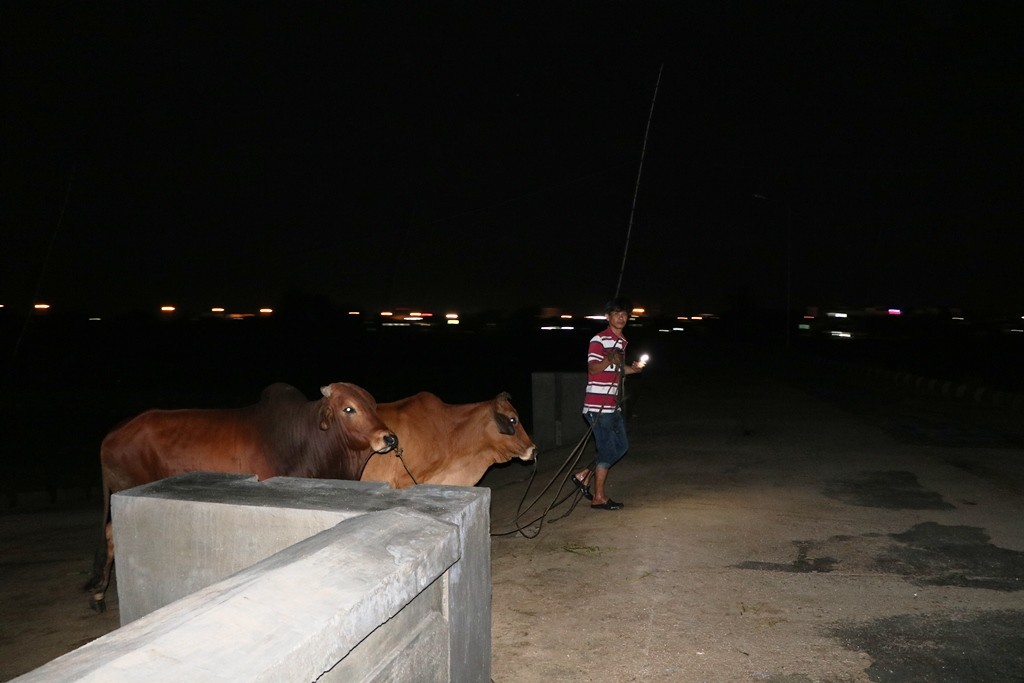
[477, 156]
[318, 158]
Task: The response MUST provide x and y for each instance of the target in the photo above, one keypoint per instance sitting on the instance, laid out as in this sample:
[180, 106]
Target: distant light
[804, 326]
[682, 317]
[808, 317]
[216, 309]
[386, 313]
[957, 317]
[89, 318]
[414, 318]
[697, 317]
[895, 311]
[266, 311]
[548, 328]
[41, 307]
[595, 317]
[167, 309]
[452, 316]
[353, 312]
[833, 314]
[453, 321]
[841, 334]
[565, 316]
[639, 311]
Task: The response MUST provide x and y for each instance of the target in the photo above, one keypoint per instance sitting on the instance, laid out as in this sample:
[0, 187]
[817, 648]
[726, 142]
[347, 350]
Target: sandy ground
[45, 559]
[768, 535]
[771, 536]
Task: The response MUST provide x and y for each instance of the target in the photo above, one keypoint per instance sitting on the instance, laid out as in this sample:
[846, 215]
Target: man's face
[617, 320]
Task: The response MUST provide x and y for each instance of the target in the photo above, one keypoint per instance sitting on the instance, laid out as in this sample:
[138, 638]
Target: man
[601, 408]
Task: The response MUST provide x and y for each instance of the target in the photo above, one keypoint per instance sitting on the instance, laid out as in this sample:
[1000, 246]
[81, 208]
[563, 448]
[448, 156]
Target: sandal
[583, 488]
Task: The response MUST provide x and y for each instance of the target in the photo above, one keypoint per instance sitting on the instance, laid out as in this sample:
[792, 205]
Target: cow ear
[326, 414]
[506, 423]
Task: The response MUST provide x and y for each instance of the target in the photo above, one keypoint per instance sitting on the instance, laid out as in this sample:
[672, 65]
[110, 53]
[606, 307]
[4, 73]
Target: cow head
[351, 408]
[512, 441]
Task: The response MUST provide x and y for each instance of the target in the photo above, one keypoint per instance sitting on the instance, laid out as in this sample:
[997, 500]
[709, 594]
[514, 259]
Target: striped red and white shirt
[603, 388]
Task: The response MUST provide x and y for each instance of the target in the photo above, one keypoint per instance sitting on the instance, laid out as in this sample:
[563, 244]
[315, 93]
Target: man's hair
[619, 303]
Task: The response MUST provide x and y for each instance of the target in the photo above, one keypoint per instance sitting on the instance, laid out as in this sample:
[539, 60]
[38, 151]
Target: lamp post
[789, 259]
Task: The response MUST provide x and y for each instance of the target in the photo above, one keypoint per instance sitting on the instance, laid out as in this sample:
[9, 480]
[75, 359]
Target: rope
[399, 453]
[569, 467]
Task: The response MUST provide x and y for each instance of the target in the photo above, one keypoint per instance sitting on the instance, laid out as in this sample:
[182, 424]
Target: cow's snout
[530, 454]
[390, 443]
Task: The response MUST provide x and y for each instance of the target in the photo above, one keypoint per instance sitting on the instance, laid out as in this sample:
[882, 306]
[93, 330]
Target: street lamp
[789, 257]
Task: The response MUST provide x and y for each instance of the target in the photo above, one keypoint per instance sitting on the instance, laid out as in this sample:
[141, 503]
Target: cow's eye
[349, 410]
[512, 420]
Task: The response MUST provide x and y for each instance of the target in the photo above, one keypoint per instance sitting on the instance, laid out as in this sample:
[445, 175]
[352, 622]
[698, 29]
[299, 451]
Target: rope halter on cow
[398, 454]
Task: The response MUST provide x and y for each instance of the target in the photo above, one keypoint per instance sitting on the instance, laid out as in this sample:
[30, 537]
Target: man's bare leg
[600, 476]
[583, 476]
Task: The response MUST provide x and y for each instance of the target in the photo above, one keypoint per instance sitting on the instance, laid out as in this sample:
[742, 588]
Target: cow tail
[100, 556]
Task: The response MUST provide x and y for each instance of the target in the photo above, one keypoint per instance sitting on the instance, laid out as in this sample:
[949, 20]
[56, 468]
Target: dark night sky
[484, 155]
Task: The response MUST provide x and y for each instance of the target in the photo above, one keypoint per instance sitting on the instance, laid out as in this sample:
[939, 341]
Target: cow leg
[99, 585]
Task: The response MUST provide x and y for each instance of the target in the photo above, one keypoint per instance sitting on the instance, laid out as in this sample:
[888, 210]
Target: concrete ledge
[291, 617]
[188, 544]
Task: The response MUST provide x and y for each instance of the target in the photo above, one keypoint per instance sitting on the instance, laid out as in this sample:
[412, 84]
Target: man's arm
[612, 358]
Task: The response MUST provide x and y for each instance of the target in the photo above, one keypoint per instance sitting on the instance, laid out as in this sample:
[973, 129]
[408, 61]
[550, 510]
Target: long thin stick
[636, 190]
[46, 263]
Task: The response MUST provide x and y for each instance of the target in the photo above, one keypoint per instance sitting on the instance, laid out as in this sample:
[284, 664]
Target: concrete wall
[223, 577]
[558, 408]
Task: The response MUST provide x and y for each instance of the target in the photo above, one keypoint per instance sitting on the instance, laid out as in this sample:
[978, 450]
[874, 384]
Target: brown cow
[282, 435]
[449, 444]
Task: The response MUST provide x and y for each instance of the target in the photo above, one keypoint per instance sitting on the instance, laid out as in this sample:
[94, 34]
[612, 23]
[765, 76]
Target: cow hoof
[99, 604]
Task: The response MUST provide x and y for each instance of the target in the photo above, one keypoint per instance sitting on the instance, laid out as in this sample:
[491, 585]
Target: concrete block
[558, 408]
[179, 536]
[317, 606]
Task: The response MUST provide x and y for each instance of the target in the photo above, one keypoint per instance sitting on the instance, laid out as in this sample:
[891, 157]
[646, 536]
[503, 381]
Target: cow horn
[326, 391]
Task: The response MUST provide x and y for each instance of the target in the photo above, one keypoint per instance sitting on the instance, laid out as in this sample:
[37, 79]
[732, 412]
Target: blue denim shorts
[610, 437]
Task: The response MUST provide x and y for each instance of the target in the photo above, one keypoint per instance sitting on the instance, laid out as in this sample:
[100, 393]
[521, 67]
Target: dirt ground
[769, 534]
[46, 557]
